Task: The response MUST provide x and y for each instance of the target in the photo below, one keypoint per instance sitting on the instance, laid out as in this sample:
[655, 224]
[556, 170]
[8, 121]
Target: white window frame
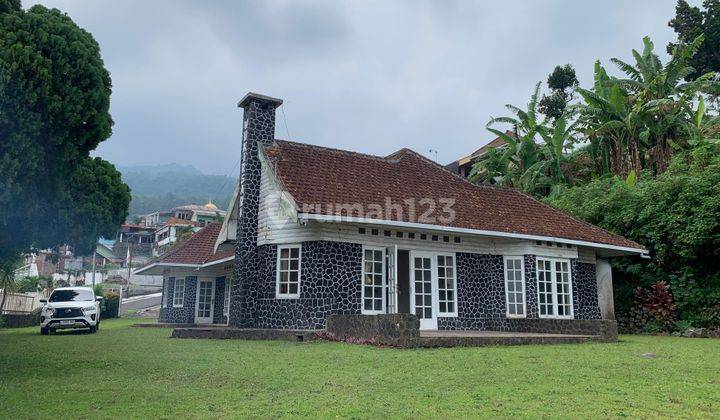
[523, 288]
[553, 274]
[384, 281]
[436, 276]
[226, 297]
[289, 247]
[175, 292]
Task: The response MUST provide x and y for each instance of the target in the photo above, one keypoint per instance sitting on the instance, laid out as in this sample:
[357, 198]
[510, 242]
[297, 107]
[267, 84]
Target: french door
[554, 288]
[205, 301]
[423, 288]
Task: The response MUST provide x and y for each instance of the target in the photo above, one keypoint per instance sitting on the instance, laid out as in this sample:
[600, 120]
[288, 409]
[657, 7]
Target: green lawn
[140, 372]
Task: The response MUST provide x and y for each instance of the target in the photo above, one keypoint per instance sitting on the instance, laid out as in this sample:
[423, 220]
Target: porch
[403, 330]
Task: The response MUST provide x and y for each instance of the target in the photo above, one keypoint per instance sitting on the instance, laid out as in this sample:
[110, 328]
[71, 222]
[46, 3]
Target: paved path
[137, 303]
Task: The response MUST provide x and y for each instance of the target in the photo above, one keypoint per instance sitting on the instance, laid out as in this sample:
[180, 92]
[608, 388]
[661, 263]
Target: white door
[205, 301]
[423, 289]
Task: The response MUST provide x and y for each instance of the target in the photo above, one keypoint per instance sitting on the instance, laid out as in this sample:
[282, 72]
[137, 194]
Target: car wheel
[97, 325]
[44, 331]
[93, 329]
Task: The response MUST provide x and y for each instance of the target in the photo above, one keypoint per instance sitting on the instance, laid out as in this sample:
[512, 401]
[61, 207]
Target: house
[464, 165]
[155, 219]
[314, 232]
[170, 232]
[139, 238]
[201, 215]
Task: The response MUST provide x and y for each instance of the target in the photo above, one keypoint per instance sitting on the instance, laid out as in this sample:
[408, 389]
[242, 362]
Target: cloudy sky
[369, 76]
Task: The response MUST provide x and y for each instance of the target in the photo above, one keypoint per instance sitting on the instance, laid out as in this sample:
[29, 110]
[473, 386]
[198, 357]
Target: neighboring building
[201, 215]
[464, 165]
[314, 231]
[140, 238]
[155, 219]
[170, 232]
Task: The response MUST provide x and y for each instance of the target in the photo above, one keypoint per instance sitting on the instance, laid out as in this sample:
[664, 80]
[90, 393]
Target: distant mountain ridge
[162, 187]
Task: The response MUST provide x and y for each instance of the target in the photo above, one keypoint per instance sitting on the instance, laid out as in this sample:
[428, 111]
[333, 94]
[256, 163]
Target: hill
[162, 187]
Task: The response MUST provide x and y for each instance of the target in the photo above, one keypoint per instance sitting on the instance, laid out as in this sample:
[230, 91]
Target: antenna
[434, 151]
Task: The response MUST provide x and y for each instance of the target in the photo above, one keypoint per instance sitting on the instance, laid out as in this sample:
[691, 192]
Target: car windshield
[79, 295]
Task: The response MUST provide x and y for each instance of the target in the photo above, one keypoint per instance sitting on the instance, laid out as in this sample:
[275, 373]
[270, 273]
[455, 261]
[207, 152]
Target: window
[554, 288]
[447, 290]
[288, 272]
[226, 303]
[373, 279]
[179, 293]
[514, 287]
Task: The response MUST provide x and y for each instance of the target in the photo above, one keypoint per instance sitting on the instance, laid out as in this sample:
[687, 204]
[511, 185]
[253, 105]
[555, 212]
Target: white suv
[70, 307]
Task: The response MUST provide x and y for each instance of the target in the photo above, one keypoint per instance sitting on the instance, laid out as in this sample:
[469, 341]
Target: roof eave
[346, 219]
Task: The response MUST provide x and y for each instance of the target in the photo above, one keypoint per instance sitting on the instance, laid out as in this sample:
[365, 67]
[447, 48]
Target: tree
[54, 103]
[689, 23]
[642, 119]
[562, 83]
[521, 152]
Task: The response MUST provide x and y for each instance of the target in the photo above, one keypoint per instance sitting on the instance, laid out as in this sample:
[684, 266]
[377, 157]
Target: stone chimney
[258, 128]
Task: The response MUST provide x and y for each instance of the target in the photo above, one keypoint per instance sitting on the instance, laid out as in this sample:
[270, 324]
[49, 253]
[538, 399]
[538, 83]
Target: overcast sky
[363, 75]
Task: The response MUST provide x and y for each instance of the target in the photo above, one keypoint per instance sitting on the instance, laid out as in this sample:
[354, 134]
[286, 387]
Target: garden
[129, 372]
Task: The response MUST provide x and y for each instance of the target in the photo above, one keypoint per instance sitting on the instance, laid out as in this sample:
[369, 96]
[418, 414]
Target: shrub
[681, 326]
[111, 306]
[658, 302]
[676, 215]
[653, 328]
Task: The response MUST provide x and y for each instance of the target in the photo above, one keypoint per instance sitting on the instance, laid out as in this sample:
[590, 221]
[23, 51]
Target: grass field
[139, 372]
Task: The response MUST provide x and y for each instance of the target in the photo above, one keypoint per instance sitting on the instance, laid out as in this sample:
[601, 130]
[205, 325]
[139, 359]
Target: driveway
[146, 303]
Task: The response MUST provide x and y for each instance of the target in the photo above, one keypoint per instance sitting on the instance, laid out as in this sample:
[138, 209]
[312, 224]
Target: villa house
[313, 232]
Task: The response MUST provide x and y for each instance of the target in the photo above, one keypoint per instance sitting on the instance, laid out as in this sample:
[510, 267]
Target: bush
[653, 327]
[110, 306]
[676, 216]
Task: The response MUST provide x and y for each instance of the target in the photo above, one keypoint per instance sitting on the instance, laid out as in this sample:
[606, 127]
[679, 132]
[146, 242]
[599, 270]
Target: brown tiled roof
[179, 222]
[198, 249]
[322, 177]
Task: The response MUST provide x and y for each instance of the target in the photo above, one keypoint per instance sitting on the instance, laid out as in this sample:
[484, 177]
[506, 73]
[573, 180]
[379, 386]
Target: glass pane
[378, 304]
[426, 263]
[451, 307]
[295, 252]
[283, 264]
[293, 276]
[378, 255]
[449, 261]
[283, 288]
[441, 260]
[368, 304]
[284, 253]
[284, 276]
[428, 313]
[368, 254]
[443, 307]
[378, 268]
[293, 288]
[294, 264]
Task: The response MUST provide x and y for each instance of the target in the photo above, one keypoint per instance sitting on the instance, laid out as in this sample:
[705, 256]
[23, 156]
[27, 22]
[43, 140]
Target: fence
[20, 303]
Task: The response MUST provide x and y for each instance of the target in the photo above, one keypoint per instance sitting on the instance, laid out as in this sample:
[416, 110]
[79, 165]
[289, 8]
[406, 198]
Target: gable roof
[492, 144]
[320, 179]
[197, 251]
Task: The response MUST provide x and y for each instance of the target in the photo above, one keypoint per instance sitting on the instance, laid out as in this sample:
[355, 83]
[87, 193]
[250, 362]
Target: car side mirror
[43, 300]
[98, 298]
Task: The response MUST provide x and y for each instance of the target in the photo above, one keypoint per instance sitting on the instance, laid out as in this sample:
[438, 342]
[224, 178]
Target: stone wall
[390, 329]
[330, 284]
[184, 315]
[481, 294]
[219, 304]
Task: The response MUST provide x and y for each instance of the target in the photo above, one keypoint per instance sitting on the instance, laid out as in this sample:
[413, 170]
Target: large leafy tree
[689, 23]
[54, 110]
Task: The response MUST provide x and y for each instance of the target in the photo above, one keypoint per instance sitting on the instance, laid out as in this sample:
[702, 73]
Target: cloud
[371, 76]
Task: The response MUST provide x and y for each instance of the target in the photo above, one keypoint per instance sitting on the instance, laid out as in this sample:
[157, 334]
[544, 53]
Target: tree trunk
[5, 292]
